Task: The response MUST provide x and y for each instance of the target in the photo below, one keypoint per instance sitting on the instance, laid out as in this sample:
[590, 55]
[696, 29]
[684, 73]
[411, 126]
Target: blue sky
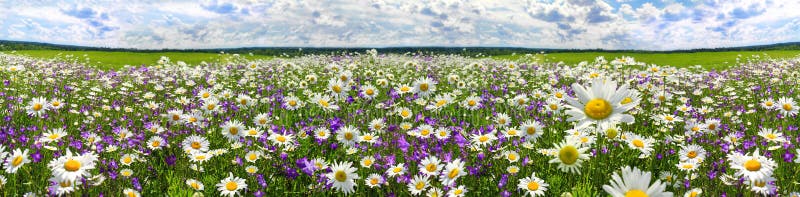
[608, 24]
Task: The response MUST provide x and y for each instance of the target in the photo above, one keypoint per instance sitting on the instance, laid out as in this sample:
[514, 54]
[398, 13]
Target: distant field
[711, 60]
[109, 60]
[715, 60]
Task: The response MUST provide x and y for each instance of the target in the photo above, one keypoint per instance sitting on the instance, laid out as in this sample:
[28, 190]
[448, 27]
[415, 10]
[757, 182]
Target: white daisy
[16, 160]
[72, 167]
[635, 182]
[452, 171]
[533, 186]
[231, 185]
[599, 104]
[570, 156]
[342, 177]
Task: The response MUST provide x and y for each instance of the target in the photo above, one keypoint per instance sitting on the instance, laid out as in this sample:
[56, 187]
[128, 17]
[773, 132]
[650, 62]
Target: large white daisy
[599, 104]
[342, 176]
[71, 167]
[231, 185]
[635, 182]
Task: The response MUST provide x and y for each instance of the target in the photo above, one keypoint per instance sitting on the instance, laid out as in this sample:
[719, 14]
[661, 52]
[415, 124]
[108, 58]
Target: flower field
[399, 125]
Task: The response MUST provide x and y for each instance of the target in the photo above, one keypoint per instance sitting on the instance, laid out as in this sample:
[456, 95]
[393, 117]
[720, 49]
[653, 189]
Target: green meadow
[110, 60]
[709, 60]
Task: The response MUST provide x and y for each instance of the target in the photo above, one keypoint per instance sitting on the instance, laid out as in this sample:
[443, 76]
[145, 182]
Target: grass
[116, 60]
[710, 60]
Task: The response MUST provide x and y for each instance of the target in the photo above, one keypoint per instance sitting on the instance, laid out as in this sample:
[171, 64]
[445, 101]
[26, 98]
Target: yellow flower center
[324, 103]
[281, 139]
[53, 136]
[127, 160]
[231, 186]
[712, 126]
[559, 95]
[768, 103]
[597, 109]
[441, 103]
[553, 107]
[340, 176]
[192, 119]
[688, 166]
[638, 143]
[430, 167]
[752, 165]
[397, 170]
[568, 155]
[336, 88]
[611, 133]
[370, 92]
[195, 185]
[420, 185]
[483, 138]
[691, 154]
[458, 192]
[771, 136]
[37, 107]
[211, 106]
[367, 137]
[252, 157]
[196, 145]
[348, 136]
[156, 144]
[635, 193]
[65, 184]
[626, 100]
[233, 130]
[373, 181]
[530, 130]
[472, 103]
[512, 132]
[55, 104]
[425, 132]
[405, 89]
[206, 95]
[17, 160]
[533, 186]
[512, 157]
[787, 107]
[759, 183]
[453, 173]
[405, 113]
[72, 165]
[669, 118]
[292, 103]
[423, 87]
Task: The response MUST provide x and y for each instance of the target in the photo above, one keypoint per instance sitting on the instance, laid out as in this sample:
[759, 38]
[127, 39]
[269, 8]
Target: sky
[563, 24]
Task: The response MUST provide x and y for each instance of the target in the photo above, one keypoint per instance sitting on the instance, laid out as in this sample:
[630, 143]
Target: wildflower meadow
[372, 124]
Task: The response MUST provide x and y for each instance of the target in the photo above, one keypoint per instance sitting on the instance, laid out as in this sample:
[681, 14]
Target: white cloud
[376, 23]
